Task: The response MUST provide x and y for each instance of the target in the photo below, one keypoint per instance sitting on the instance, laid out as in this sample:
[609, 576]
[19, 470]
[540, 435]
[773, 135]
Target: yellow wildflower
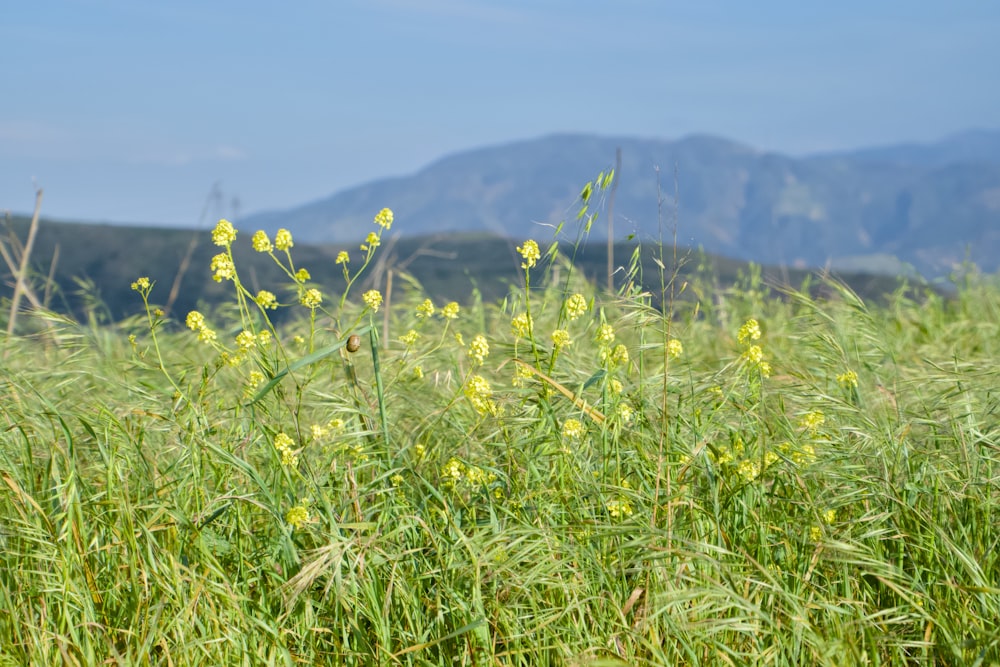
[311, 298]
[479, 349]
[141, 284]
[371, 242]
[266, 300]
[298, 516]
[255, 379]
[619, 508]
[302, 276]
[576, 306]
[674, 348]
[425, 309]
[409, 338]
[625, 413]
[283, 239]
[530, 252]
[260, 241]
[284, 444]
[573, 429]
[848, 379]
[245, 340]
[372, 299]
[224, 233]
[616, 355]
[452, 472]
[606, 334]
[479, 393]
[811, 421]
[450, 311]
[520, 375]
[561, 339]
[195, 320]
[223, 266]
[342, 257]
[384, 218]
[750, 331]
[522, 325]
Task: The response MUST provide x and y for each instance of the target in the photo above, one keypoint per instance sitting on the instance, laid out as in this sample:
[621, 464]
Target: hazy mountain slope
[925, 205]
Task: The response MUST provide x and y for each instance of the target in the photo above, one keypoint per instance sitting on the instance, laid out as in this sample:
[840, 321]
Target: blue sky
[132, 110]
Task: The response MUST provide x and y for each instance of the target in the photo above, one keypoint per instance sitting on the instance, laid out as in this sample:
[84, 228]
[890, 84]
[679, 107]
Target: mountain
[928, 205]
[87, 269]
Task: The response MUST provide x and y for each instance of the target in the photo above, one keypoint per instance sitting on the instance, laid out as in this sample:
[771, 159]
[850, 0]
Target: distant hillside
[931, 205]
[449, 267]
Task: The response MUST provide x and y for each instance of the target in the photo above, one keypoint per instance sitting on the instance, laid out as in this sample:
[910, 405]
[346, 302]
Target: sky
[177, 112]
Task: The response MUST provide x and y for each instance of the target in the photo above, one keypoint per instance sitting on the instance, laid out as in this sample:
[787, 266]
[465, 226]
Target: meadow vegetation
[563, 477]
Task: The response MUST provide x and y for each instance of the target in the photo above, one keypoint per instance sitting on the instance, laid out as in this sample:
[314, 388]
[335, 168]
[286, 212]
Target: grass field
[567, 477]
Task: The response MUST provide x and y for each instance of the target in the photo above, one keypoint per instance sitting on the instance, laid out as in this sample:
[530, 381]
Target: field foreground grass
[564, 478]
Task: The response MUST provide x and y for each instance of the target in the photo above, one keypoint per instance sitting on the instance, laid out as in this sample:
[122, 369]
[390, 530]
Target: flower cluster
[573, 429]
[576, 306]
[283, 240]
[614, 356]
[749, 332]
[619, 508]
[384, 218]
[521, 375]
[372, 299]
[530, 252]
[479, 349]
[522, 325]
[480, 394]
[848, 379]
[751, 468]
[815, 531]
[409, 338]
[753, 355]
[266, 300]
[450, 311]
[311, 298]
[425, 309]
[811, 421]
[260, 241]
[298, 516]
[284, 444]
[372, 241]
[561, 339]
[246, 341]
[224, 233]
[222, 265]
[674, 348]
[196, 322]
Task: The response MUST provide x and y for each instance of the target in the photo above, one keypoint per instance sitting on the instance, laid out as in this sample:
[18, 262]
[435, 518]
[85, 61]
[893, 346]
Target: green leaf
[307, 360]
[594, 379]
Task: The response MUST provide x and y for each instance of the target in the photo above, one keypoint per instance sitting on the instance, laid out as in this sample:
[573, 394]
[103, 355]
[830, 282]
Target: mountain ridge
[929, 205]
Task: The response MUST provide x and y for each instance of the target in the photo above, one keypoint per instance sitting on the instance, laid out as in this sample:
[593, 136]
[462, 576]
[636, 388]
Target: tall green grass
[819, 489]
